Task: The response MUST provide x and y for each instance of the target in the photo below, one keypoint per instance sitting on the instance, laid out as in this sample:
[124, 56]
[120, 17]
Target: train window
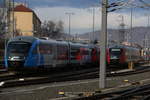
[115, 53]
[74, 53]
[18, 48]
[115, 49]
[45, 48]
[62, 52]
[85, 52]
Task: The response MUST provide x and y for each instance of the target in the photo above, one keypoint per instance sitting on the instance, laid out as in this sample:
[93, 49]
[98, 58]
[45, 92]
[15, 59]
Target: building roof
[22, 8]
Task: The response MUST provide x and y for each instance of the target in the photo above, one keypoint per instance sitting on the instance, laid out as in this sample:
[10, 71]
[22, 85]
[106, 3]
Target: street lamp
[13, 19]
[93, 10]
[148, 16]
[69, 31]
[93, 22]
[69, 22]
[131, 25]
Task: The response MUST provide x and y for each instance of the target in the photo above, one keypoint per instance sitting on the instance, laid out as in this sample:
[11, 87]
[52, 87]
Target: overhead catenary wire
[128, 4]
[145, 3]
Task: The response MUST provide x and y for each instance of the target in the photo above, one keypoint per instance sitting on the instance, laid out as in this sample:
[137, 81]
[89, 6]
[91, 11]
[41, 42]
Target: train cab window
[115, 53]
[18, 48]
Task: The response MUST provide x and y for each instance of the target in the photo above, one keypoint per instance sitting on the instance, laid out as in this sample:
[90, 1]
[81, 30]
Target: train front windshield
[115, 53]
[18, 49]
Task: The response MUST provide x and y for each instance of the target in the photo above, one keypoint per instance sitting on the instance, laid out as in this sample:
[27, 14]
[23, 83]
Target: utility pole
[121, 30]
[148, 15]
[9, 22]
[148, 27]
[25, 2]
[146, 37]
[145, 43]
[131, 35]
[148, 21]
[92, 34]
[69, 31]
[93, 22]
[103, 41]
[13, 19]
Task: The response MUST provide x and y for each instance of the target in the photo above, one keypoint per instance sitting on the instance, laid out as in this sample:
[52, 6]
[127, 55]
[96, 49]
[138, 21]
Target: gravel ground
[49, 91]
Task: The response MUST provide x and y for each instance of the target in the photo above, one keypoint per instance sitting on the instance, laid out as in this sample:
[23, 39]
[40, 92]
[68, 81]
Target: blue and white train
[30, 52]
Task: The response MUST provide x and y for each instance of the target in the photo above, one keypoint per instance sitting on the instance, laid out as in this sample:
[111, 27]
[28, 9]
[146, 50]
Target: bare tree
[59, 30]
[2, 28]
[52, 29]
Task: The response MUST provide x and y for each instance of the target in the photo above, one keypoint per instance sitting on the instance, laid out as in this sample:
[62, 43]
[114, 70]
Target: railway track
[15, 80]
[9, 81]
[134, 93]
[134, 71]
[2, 70]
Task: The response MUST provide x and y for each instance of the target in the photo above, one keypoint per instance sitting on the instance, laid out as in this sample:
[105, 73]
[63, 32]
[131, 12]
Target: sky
[82, 20]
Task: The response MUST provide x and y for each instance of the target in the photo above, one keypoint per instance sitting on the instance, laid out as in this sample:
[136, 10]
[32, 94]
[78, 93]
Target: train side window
[74, 52]
[45, 49]
[62, 52]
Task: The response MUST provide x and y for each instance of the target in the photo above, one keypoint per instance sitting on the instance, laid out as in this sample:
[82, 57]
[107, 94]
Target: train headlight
[2, 83]
[12, 58]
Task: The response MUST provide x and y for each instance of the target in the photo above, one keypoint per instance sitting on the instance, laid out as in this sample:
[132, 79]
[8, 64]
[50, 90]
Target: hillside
[138, 34]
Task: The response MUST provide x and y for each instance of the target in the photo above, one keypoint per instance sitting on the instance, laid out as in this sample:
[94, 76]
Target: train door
[85, 55]
[95, 56]
[46, 54]
[80, 56]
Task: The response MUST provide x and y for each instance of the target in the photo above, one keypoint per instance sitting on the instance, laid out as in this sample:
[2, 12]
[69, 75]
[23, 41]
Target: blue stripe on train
[5, 59]
[34, 60]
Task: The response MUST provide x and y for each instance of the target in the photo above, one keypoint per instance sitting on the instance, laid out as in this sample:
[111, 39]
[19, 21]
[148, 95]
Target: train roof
[53, 41]
[80, 44]
[29, 39]
[123, 46]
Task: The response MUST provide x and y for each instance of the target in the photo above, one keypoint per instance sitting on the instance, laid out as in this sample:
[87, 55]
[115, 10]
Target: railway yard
[39, 69]
[76, 85]
[46, 55]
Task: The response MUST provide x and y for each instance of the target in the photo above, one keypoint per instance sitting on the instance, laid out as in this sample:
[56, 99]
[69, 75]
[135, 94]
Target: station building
[25, 21]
